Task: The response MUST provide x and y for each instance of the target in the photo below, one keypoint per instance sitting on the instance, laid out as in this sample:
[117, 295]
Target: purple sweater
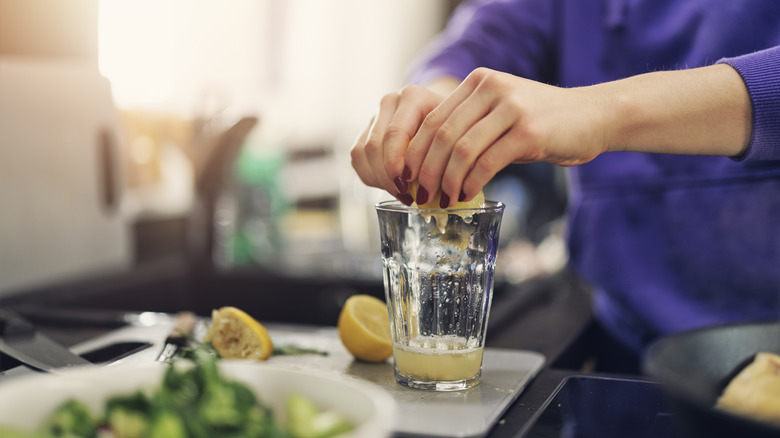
[669, 243]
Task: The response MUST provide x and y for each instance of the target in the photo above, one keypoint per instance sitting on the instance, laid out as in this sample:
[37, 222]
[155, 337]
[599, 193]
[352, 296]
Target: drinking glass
[438, 268]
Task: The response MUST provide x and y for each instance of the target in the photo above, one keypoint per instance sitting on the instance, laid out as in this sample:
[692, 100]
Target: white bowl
[25, 402]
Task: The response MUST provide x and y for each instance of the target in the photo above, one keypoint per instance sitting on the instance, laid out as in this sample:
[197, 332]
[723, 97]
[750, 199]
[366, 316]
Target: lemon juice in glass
[438, 270]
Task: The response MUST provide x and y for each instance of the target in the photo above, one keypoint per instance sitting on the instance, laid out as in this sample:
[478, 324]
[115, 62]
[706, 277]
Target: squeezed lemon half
[364, 328]
[236, 335]
[477, 201]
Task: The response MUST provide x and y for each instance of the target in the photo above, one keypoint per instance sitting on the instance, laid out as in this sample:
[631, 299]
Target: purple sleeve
[761, 73]
[513, 36]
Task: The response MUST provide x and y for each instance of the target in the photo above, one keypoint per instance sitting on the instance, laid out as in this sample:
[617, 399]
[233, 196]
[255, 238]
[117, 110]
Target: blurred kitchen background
[152, 139]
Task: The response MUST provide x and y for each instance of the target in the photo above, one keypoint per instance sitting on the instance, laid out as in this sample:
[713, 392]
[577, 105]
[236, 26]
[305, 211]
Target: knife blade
[183, 325]
[20, 340]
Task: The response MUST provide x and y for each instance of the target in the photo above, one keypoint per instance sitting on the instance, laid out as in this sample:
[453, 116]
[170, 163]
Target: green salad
[194, 400]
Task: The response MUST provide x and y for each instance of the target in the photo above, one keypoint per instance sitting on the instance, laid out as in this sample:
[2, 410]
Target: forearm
[703, 111]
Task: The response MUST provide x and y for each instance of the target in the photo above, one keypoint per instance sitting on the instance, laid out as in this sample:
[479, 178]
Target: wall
[52, 28]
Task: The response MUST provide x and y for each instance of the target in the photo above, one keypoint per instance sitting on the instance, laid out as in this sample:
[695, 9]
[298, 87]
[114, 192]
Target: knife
[178, 338]
[20, 340]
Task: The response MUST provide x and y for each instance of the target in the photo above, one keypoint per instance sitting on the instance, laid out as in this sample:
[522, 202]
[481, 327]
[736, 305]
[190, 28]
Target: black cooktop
[590, 407]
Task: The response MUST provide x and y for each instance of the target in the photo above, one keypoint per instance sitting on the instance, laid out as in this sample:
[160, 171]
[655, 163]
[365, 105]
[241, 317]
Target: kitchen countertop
[547, 316]
[509, 424]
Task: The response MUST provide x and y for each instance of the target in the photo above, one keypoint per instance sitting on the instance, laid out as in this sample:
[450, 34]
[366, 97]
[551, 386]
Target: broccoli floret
[305, 420]
[72, 419]
[167, 425]
[128, 424]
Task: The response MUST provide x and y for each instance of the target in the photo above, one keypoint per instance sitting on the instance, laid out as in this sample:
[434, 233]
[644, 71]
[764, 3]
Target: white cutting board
[469, 413]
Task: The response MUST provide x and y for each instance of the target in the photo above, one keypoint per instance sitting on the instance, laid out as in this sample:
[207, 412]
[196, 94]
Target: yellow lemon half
[236, 335]
[477, 201]
[441, 217]
[364, 328]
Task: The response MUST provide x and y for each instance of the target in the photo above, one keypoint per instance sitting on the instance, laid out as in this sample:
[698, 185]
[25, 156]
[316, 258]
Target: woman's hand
[494, 119]
[378, 154]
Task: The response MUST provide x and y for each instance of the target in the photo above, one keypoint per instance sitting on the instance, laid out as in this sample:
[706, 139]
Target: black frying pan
[696, 366]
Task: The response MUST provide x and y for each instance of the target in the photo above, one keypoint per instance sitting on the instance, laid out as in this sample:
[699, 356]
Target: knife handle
[183, 325]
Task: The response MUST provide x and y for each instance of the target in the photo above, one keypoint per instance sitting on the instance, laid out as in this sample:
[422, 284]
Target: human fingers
[374, 144]
[487, 165]
[454, 134]
[523, 139]
[465, 152]
[414, 104]
[360, 160]
[367, 176]
[426, 164]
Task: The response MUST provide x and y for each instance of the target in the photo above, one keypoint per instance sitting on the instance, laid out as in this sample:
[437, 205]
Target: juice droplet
[441, 221]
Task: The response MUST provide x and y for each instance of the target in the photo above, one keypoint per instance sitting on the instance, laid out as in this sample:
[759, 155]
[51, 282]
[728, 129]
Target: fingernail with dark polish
[407, 173]
[402, 185]
[462, 197]
[444, 200]
[406, 199]
[422, 195]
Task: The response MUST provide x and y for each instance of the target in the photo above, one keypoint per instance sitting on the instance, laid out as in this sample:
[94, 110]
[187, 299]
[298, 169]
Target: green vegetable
[128, 423]
[167, 424]
[306, 420]
[194, 400]
[72, 419]
[13, 433]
